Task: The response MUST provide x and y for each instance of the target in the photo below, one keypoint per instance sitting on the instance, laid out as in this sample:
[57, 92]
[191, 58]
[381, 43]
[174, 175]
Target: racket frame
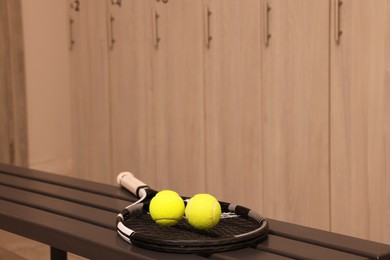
[145, 193]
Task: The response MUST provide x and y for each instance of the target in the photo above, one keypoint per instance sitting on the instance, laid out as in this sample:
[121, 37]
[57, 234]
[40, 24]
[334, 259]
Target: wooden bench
[78, 216]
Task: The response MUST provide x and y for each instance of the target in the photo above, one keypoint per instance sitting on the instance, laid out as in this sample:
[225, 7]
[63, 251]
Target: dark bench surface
[78, 216]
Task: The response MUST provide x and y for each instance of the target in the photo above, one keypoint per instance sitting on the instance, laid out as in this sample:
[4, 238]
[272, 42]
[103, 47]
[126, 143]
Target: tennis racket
[238, 227]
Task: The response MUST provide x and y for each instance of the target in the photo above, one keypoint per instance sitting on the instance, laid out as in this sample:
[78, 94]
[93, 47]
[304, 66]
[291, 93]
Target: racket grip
[130, 182]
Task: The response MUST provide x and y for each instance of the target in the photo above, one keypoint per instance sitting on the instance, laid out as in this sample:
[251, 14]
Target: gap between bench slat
[65, 193]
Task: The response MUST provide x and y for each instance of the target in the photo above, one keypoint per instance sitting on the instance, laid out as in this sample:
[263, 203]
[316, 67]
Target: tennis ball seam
[188, 212]
[215, 204]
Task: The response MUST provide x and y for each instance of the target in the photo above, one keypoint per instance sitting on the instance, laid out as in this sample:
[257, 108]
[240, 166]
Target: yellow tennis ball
[166, 208]
[203, 211]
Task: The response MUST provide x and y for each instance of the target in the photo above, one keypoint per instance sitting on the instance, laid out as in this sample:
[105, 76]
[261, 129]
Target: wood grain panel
[360, 122]
[13, 119]
[5, 110]
[233, 101]
[90, 92]
[132, 118]
[295, 110]
[178, 88]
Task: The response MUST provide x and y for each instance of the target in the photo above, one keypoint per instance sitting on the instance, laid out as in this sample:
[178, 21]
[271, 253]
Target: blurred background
[282, 106]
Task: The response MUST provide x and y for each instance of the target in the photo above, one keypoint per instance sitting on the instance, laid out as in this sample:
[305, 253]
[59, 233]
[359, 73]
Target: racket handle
[130, 182]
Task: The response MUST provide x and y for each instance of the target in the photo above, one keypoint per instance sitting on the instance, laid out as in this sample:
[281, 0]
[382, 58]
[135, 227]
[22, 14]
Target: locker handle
[267, 35]
[71, 40]
[208, 36]
[111, 39]
[337, 29]
[116, 2]
[156, 38]
[75, 5]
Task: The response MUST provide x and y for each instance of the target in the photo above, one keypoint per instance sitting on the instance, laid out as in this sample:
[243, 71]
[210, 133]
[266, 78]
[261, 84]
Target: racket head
[239, 227]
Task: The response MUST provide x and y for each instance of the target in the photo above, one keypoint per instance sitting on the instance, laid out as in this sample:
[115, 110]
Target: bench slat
[66, 193]
[71, 235]
[66, 181]
[301, 250]
[247, 254]
[327, 239]
[87, 214]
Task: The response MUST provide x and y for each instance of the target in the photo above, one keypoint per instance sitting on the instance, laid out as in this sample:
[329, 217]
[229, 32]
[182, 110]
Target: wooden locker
[89, 80]
[360, 122]
[232, 45]
[132, 104]
[295, 111]
[178, 95]
[13, 117]
[5, 90]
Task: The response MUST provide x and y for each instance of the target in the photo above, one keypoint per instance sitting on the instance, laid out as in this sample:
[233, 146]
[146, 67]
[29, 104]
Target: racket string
[226, 228]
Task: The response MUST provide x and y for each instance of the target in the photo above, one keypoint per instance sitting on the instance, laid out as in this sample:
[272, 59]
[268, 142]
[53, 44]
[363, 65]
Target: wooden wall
[257, 105]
